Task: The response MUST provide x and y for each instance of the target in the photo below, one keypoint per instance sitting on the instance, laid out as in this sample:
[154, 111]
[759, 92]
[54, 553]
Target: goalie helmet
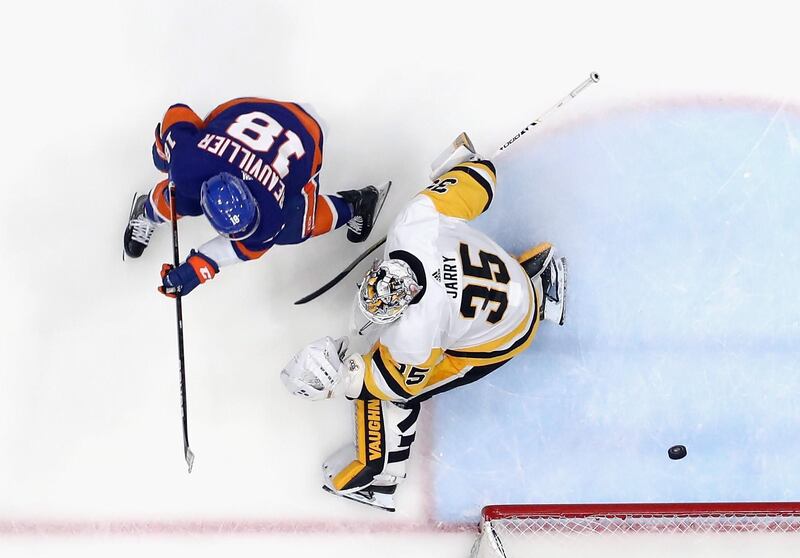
[387, 290]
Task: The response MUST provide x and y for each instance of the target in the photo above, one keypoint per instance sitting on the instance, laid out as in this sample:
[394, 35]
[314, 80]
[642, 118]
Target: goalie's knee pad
[536, 260]
[384, 434]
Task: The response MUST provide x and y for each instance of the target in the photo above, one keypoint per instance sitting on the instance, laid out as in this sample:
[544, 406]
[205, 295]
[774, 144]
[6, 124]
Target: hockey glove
[316, 371]
[198, 268]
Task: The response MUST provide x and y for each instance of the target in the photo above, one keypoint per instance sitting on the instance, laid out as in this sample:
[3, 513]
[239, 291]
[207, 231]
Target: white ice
[693, 124]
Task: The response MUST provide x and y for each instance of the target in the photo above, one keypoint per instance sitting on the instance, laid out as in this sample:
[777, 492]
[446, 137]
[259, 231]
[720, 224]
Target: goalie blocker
[452, 306]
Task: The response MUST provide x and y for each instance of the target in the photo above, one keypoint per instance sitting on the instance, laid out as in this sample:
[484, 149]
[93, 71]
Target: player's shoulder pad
[179, 114]
[465, 191]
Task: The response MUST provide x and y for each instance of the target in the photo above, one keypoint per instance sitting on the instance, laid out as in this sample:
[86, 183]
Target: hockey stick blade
[189, 455]
[330, 284]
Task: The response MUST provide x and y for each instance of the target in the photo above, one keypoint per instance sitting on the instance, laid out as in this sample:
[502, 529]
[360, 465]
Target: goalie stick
[593, 78]
[187, 452]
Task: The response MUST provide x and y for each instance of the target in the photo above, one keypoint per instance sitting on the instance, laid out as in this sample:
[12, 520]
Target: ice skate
[542, 263]
[377, 496]
[367, 204]
[381, 497]
[139, 230]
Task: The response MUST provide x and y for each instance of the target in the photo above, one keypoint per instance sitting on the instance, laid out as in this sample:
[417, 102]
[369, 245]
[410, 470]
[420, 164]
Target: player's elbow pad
[160, 163]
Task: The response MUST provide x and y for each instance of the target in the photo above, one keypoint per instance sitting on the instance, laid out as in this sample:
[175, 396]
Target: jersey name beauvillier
[276, 143]
[274, 146]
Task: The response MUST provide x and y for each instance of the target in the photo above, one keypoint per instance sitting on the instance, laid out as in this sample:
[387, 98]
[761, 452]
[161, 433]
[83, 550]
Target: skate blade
[130, 214]
[352, 498]
[563, 293]
[383, 193]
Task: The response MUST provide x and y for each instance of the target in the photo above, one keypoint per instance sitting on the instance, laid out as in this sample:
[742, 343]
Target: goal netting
[646, 530]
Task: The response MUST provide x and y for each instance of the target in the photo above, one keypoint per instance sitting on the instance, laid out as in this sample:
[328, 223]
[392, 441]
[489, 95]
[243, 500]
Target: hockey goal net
[642, 530]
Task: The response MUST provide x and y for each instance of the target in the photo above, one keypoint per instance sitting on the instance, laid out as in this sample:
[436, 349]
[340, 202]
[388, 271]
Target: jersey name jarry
[450, 276]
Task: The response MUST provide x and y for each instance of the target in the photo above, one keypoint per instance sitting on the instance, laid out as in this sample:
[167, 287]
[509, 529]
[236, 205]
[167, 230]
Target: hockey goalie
[448, 305]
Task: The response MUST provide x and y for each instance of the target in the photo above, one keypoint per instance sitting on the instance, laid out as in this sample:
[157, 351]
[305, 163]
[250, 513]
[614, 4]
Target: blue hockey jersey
[274, 146]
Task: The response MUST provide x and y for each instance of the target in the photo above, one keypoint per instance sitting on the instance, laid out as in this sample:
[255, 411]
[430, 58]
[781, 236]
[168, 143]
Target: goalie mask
[387, 290]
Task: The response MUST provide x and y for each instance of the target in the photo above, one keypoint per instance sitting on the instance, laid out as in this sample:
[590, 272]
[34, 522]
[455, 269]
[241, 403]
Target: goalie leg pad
[548, 275]
[536, 260]
[384, 434]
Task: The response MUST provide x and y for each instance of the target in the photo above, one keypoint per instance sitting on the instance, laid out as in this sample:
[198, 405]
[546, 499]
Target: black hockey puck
[677, 452]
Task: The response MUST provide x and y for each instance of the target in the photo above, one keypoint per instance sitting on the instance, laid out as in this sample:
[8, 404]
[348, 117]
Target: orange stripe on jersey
[179, 114]
[310, 194]
[159, 143]
[308, 122]
[323, 219]
[232, 103]
[250, 254]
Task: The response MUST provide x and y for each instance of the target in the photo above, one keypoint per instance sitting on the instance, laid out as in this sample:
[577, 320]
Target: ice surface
[679, 223]
[90, 442]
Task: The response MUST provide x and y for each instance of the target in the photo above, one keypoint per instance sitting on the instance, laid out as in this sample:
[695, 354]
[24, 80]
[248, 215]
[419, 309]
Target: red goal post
[710, 529]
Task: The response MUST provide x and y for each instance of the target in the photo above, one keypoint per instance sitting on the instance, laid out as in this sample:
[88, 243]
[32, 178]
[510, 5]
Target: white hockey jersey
[477, 306]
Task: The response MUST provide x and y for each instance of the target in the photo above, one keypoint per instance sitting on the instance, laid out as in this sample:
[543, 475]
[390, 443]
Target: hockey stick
[187, 452]
[593, 78]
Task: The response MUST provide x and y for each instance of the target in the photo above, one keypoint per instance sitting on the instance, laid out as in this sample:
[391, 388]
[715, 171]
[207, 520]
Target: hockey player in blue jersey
[251, 167]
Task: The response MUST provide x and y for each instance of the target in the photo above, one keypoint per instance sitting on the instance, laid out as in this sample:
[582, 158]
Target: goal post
[763, 529]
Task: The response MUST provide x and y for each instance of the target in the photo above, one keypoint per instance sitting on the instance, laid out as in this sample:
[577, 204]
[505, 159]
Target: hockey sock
[157, 207]
[332, 212]
[151, 213]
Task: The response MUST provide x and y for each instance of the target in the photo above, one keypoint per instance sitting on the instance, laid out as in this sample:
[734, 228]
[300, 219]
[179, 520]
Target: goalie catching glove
[318, 371]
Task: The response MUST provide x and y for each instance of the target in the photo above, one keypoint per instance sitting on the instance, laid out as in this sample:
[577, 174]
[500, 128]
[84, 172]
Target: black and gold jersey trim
[393, 384]
[501, 352]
